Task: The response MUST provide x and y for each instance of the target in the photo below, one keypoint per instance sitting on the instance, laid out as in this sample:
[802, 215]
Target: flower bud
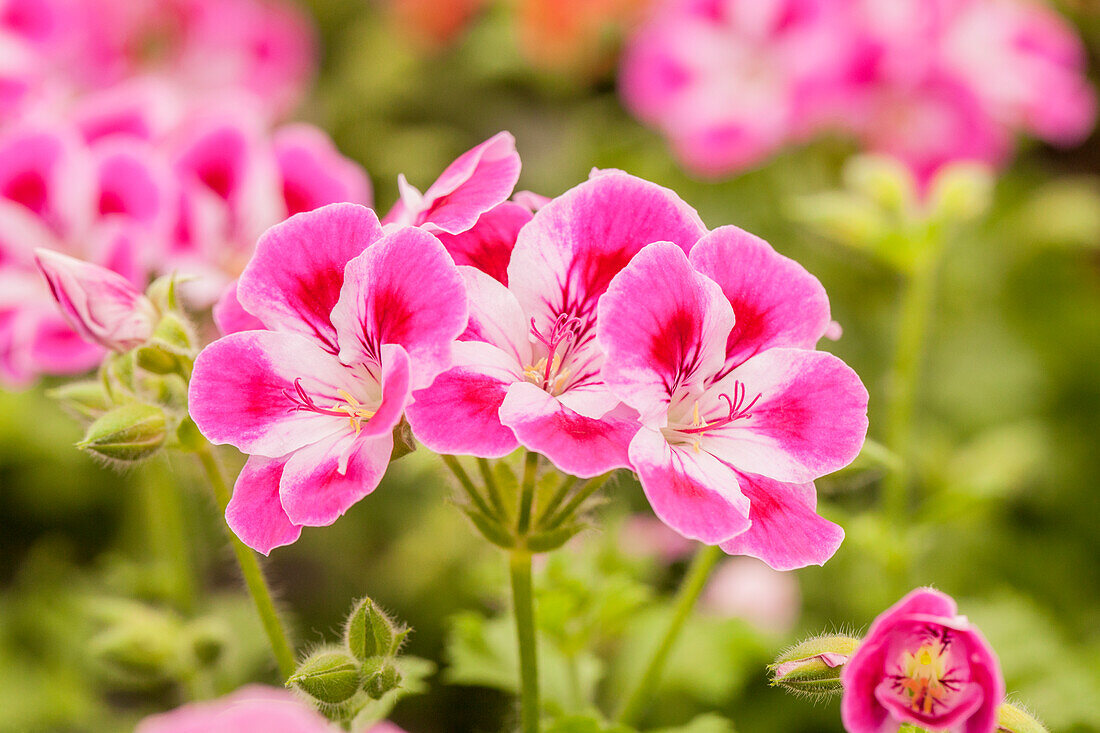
[328, 675]
[208, 637]
[381, 677]
[1012, 719]
[142, 649]
[369, 632]
[961, 192]
[84, 400]
[882, 179]
[130, 432]
[813, 666]
[101, 305]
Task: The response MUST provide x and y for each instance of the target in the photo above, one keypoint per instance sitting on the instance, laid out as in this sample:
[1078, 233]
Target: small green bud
[118, 376]
[189, 437]
[174, 332]
[209, 637]
[369, 632]
[813, 667]
[961, 192]
[162, 292]
[142, 649]
[882, 179]
[380, 678]
[1012, 719]
[328, 675]
[127, 433]
[155, 358]
[843, 217]
[85, 400]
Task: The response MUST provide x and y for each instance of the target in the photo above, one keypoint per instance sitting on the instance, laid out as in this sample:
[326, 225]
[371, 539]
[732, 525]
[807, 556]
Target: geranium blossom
[356, 319]
[527, 367]
[922, 664]
[738, 413]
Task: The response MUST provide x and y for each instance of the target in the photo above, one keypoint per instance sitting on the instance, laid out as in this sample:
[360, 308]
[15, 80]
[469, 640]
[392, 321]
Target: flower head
[714, 350]
[355, 319]
[922, 664]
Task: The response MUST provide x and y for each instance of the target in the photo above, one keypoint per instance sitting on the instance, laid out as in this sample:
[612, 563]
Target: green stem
[688, 594]
[588, 489]
[467, 485]
[519, 562]
[563, 490]
[250, 569]
[527, 493]
[168, 536]
[916, 305]
[492, 487]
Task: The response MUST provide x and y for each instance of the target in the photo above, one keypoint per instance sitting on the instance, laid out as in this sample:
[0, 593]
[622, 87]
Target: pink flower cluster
[731, 81]
[144, 142]
[55, 50]
[611, 330]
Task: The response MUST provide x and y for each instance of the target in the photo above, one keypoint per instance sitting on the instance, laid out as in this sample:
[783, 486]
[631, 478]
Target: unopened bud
[130, 432]
[329, 675]
[1012, 719]
[162, 292]
[882, 179]
[369, 632]
[84, 400]
[209, 637]
[381, 677]
[101, 305]
[141, 650]
[813, 667]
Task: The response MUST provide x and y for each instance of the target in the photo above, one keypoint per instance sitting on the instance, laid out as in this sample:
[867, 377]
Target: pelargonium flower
[527, 369]
[739, 415]
[101, 305]
[251, 709]
[922, 664]
[356, 319]
[729, 81]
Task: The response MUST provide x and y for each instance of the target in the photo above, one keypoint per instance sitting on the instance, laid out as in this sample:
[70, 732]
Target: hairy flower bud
[1013, 719]
[328, 675]
[812, 667]
[85, 400]
[101, 305]
[369, 632]
[380, 677]
[127, 433]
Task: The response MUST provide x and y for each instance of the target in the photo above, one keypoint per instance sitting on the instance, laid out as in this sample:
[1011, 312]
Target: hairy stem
[250, 569]
[467, 485]
[587, 489]
[165, 520]
[686, 597]
[527, 494]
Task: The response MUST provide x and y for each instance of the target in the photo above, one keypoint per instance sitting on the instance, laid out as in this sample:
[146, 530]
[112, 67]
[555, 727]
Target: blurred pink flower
[251, 709]
[357, 320]
[644, 535]
[527, 368]
[929, 81]
[101, 305]
[738, 416]
[922, 664]
[746, 588]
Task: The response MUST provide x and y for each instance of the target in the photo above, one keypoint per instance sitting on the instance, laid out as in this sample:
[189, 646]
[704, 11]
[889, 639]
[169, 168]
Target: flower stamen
[548, 372]
[348, 406]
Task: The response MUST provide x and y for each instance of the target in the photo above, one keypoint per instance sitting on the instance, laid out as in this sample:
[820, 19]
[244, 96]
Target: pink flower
[101, 305]
[527, 369]
[251, 709]
[357, 319]
[920, 663]
[738, 416]
[730, 81]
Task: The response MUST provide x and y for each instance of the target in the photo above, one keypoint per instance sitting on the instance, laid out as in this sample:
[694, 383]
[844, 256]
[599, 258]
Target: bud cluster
[137, 404]
[342, 680]
[812, 667]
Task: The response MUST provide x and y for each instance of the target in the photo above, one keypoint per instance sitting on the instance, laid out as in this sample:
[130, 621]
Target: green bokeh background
[1007, 435]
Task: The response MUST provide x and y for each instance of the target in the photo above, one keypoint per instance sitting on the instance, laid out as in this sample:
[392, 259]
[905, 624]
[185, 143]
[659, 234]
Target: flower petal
[693, 493]
[478, 180]
[786, 532]
[776, 302]
[315, 492]
[495, 316]
[578, 445]
[810, 420]
[663, 327]
[458, 413]
[293, 281]
[488, 244]
[254, 513]
[240, 386]
[313, 171]
[566, 256]
[404, 290]
[230, 316]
